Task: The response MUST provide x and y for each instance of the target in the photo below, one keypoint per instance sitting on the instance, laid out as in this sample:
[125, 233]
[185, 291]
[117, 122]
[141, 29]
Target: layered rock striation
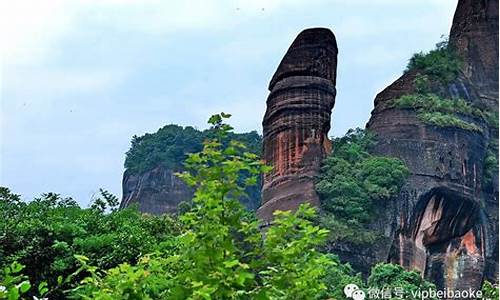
[159, 191]
[155, 191]
[297, 121]
[444, 223]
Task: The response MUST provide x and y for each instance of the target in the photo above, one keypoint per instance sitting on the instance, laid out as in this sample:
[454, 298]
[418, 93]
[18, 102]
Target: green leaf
[24, 286]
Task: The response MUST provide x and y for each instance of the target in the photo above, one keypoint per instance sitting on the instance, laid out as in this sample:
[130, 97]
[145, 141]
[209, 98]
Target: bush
[352, 181]
[400, 283]
[441, 63]
[45, 234]
[12, 283]
[490, 291]
[435, 110]
[220, 252]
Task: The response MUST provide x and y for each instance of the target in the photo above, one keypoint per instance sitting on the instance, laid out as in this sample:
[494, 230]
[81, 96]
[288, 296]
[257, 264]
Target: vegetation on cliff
[490, 164]
[435, 71]
[441, 64]
[167, 147]
[352, 183]
[171, 144]
[215, 250]
[435, 110]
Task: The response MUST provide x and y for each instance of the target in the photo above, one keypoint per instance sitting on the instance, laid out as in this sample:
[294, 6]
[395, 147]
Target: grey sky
[79, 78]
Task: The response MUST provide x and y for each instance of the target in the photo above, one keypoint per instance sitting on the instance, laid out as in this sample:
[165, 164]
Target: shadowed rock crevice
[447, 240]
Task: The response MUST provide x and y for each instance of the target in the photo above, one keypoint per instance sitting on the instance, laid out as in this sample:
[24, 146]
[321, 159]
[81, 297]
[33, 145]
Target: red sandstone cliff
[444, 223]
[297, 121]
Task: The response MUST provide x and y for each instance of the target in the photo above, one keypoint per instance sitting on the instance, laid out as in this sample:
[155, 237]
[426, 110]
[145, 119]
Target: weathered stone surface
[297, 121]
[159, 191]
[474, 33]
[156, 191]
[443, 223]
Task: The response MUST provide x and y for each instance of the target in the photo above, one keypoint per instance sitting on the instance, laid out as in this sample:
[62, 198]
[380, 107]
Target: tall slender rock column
[297, 121]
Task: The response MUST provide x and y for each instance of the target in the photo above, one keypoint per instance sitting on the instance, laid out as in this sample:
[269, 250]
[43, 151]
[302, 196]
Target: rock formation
[155, 191]
[443, 223]
[297, 121]
[474, 33]
[159, 191]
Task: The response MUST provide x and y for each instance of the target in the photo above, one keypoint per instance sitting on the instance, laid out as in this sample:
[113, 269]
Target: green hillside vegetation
[440, 66]
[46, 234]
[352, 182]
[441, 63]
[51, 247]
[171, 144]
[443, 112]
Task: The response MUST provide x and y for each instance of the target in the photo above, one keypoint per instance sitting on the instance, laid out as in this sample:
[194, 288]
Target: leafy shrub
[220, 252]
[490, 291]
[12, 283]
[435, 110]
[45, 234]
[401, 283]
[441, 63]
[352, 181]
[337, 277]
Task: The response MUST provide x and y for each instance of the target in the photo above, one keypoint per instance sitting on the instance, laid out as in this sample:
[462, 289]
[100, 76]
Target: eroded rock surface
[159, 191]
[444, 223]
[155, 191]
[297, 121]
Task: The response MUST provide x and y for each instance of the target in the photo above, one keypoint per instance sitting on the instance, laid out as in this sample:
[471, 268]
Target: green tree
[220, 252]
[352, 182]
[394, 278]
[442, 63]
[46, 233]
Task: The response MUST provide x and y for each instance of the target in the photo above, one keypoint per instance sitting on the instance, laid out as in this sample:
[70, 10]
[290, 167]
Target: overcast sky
[79, 78]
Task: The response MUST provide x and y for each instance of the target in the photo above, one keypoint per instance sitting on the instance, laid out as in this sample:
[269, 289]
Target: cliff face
[159, 191]
[443, 223]
[474, 33]
[156, 191]
[297, 121]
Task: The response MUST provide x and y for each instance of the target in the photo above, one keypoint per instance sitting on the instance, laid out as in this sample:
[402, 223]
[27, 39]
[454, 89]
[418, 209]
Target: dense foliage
[220, 252]
[442, 63]
[50, 247]
[399, 283]
[443, 112]
[490, 291]
[171, 144]
[352, 182]
[45, 234]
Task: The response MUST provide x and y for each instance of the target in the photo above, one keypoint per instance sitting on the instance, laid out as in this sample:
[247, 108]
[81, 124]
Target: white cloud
[45, 81]
[30, 28]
